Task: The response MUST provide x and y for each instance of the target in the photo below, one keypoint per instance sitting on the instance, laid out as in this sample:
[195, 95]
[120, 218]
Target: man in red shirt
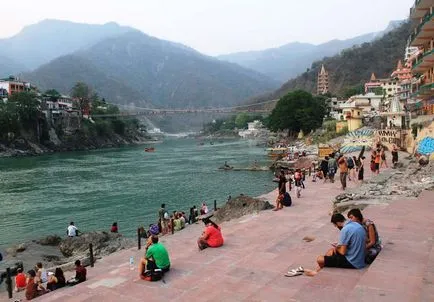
[211, 236]
[80, 274]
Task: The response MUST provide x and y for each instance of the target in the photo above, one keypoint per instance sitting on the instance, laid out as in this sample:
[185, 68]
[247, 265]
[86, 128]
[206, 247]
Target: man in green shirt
[156, 257]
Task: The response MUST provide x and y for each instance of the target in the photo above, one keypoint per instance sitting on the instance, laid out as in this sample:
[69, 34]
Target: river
[41, 195]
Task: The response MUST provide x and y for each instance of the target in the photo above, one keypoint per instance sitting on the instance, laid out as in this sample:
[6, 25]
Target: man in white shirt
[72, 230]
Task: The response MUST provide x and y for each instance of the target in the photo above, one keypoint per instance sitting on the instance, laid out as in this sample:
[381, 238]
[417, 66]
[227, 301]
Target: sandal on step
[300, 269]
[293, 273]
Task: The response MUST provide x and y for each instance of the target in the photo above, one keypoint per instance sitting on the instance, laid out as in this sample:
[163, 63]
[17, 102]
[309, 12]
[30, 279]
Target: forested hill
[353, 66]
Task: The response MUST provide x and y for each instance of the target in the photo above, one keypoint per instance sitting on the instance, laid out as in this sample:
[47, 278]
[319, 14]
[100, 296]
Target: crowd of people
[39, 281]
[358, 245]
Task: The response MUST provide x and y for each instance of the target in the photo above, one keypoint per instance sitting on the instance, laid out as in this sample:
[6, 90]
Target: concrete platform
[259, 249]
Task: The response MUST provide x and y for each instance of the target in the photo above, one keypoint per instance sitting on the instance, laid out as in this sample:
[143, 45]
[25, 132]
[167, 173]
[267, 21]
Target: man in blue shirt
[349, 252]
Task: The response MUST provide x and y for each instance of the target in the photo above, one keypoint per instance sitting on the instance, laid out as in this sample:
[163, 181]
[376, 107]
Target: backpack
[152, 272]
[350, 163]
[153, 275]
[286, 200]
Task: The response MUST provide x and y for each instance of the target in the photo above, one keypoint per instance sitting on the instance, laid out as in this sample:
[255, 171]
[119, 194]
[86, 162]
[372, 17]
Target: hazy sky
[219, 26]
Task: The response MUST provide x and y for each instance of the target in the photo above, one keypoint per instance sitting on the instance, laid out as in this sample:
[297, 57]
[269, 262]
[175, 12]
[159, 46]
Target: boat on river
[277, 152]
[152, 149]
[226, 168]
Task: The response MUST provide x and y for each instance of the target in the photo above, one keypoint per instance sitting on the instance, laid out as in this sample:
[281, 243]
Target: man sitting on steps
[349, 252]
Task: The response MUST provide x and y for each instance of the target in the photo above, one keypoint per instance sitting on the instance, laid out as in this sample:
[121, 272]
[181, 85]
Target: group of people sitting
[156, 261]
[358, 245]
[177, 221]
[39, 281]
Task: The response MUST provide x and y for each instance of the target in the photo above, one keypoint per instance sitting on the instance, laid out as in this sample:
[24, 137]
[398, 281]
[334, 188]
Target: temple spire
[399, 65]
[322, 69]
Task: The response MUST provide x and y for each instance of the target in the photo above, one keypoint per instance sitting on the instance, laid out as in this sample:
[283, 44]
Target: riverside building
[422, 63]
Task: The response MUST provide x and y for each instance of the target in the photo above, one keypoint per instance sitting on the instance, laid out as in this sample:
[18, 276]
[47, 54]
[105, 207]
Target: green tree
[83, 93]
[8, 119]
[27, 106]
[353, 90]
[296, 111]
[52, 92]
[241, 120]
[379, 91]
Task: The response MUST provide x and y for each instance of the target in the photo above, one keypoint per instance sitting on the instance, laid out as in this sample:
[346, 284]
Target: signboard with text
[389, 137]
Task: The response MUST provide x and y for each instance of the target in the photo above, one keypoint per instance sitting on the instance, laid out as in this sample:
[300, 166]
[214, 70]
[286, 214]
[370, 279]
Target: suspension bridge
[132, 111]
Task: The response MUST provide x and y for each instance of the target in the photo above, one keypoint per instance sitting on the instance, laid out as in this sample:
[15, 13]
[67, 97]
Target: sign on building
[390, 137]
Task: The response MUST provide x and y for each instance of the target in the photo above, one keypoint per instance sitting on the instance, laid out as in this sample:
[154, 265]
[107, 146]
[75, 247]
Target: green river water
[41, 195]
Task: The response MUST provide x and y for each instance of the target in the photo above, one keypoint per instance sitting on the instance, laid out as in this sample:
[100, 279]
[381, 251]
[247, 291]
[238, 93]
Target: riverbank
[23, 146]
[260, 247]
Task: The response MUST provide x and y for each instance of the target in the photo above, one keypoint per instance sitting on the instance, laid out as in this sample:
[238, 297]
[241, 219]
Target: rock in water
[240, 206]
[21, 248]
[52, 240]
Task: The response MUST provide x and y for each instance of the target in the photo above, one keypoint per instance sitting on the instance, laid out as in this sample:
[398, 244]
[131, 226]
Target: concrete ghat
[260, 249]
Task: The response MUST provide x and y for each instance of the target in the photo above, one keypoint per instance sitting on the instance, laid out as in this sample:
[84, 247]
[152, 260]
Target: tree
[27, 106]
[354, 90]
[296, 111]
[52, 92]
[83, 93]
[379, 91]
[241, 120]
[8, 119]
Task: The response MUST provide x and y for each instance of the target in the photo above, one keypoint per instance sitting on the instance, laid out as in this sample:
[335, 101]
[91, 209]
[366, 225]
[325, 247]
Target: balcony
[424, 62]
[423, 32]
[419, 8]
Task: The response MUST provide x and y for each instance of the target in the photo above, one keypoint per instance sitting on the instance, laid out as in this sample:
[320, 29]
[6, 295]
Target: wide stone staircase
[259, 249]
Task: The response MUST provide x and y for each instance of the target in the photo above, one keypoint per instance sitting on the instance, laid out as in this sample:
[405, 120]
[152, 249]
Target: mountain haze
[42, 42]
[352, 66]
[289, 60]
[134, 68]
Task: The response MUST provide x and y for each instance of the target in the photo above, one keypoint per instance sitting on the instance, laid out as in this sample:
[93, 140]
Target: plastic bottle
[131, 263]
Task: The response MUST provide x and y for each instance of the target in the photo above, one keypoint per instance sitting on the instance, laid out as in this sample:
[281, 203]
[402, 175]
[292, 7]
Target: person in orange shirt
[343, 169]
[211, 237]
[377, 161]
[20, 280]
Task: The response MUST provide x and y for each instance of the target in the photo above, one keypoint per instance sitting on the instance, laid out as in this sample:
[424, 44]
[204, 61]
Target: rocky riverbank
[24, 146]
[53, 251]
[407, 180]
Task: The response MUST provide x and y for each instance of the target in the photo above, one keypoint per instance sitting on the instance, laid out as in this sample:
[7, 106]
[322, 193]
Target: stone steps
[259, 249]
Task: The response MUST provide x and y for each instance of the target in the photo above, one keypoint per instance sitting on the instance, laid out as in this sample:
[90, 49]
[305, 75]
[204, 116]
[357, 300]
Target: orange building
[12, 85]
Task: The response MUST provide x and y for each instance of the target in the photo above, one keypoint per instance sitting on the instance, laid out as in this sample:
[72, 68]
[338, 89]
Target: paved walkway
[259, 249]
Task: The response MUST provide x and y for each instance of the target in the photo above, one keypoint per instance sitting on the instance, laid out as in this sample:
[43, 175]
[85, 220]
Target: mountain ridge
[289, 60]
[352, 67]
[148, 70]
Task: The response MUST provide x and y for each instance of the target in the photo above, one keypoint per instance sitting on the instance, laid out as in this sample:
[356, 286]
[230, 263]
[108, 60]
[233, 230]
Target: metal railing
[425, 19]
[421, 58]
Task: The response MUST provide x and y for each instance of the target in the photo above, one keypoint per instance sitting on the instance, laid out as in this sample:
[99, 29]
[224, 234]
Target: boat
[277, 152]
[152, 149]
[226, 168]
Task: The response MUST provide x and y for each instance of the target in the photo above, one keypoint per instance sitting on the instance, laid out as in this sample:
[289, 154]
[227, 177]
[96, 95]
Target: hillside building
[323, 81]
[422, 62]
[389, 87]
[13, 85]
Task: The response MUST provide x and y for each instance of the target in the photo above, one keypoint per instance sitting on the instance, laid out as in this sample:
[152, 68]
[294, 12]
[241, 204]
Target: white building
[254, 129]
